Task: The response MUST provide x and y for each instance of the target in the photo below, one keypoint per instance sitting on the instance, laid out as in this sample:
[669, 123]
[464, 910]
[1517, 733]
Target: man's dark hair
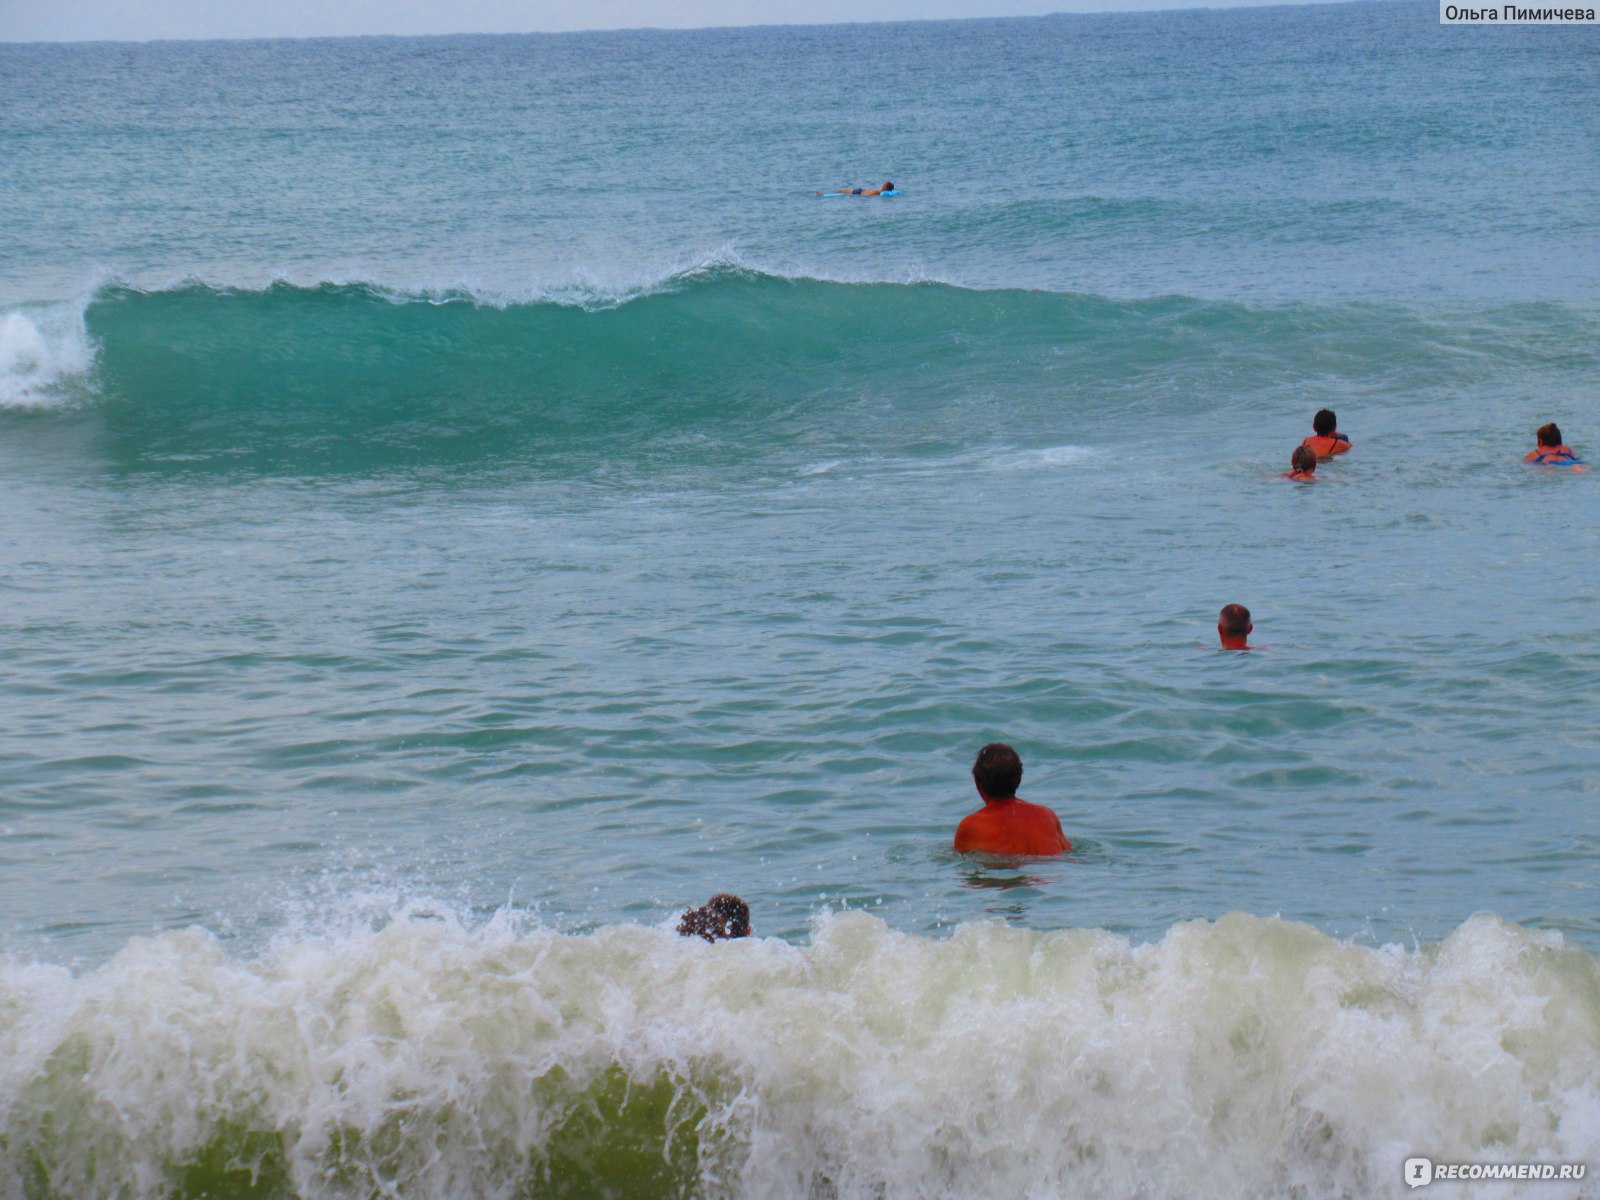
[997, 771]
[1304, 458]
[722, 916]
[887, 186]
[1234, 619]
[1324, 422]
[1549, 435]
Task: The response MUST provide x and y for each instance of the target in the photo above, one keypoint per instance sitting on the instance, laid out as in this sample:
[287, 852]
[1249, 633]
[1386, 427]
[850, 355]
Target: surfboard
[828, 195]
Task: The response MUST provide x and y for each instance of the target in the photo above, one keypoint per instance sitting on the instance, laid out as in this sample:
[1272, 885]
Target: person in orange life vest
[1551, 451]
[1234, 627]
[1326, 441]
[1302, 464]
[1006, 824]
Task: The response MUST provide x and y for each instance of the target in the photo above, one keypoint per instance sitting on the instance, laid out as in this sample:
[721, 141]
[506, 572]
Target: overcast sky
[142, 20]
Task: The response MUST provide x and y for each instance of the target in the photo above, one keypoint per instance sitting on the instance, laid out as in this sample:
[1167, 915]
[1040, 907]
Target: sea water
[468, 500]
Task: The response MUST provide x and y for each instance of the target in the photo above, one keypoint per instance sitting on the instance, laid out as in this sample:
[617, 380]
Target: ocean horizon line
[1093, 8]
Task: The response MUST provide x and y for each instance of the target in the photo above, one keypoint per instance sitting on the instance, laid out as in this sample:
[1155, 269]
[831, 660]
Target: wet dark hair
[722, 916]
[1324, 422]
[997, 771]
[887, 186]
[1234, 619]
[1549, 435]
[1304, 458]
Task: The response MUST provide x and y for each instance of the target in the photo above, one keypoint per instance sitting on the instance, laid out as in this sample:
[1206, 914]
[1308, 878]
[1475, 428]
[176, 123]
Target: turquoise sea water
[468, 500]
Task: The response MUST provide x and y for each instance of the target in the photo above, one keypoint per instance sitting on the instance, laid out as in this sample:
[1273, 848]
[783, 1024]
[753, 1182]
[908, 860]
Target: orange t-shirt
[1012, 826]
[1327, 447]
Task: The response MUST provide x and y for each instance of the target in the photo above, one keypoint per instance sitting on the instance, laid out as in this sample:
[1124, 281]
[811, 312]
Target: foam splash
[434, 1059]
[43, 350]
[1044, 458]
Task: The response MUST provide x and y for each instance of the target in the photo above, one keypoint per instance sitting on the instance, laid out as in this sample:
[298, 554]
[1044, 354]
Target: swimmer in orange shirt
[1234, 627]
[1302, 464]
[1005, 824]
[1551, 451]
[1326, 441]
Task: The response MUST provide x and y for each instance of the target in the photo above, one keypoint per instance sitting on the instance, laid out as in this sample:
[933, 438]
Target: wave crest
[433, 1058]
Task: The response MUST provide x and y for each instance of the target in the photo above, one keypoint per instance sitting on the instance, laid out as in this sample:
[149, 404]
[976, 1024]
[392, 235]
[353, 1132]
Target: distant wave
[591, 289]
[352, 376]
[430, 1058]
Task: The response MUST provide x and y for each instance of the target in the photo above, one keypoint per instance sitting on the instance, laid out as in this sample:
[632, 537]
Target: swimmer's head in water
[1549, 435]
[887, 186]
[1324, 422]
[722, 916]
[1234, 620]
[1304, 459]
[997, 771]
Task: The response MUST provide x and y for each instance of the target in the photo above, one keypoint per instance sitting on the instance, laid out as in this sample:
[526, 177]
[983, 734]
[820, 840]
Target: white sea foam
[44, 349]
[1043, 458]
[1244, 1058]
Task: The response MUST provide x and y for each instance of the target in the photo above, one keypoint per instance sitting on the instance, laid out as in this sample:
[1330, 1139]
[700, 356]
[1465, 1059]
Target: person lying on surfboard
[844, 191]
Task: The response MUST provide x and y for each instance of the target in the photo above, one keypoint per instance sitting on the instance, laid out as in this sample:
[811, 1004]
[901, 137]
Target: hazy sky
[140, 20]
